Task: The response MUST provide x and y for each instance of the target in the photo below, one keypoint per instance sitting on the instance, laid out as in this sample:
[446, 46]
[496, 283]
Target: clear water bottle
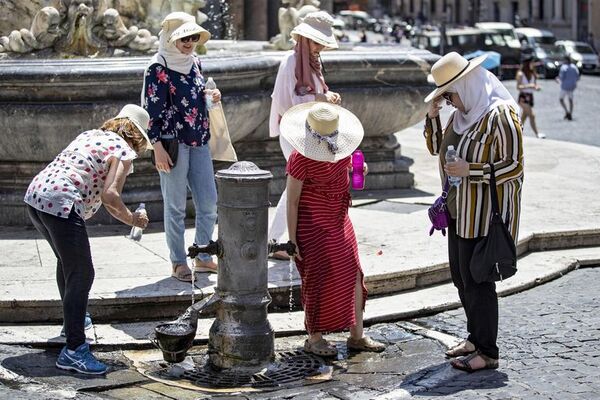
[136, 231]
[452, 156]
[358, 165]
[209, 87]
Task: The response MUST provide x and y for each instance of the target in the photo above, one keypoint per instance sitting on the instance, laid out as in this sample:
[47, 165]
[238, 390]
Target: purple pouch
[438, 212]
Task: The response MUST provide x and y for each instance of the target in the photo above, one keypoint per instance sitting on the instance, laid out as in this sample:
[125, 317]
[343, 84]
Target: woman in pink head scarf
[300, 80]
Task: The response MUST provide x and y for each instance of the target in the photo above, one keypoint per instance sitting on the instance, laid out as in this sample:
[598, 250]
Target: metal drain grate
[288, 367]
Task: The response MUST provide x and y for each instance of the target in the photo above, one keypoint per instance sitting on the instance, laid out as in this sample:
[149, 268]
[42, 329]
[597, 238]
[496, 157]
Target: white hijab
[480, 92]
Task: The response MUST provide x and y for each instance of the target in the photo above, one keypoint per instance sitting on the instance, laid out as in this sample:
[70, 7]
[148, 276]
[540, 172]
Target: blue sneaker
[88, 324]
[82, 360]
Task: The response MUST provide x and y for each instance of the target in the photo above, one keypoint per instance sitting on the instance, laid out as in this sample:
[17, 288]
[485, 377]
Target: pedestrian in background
[486, 121]
[568, 76]
[174, 96]
[323, 137]
[88, 173]
[526, 85]
[300, 80]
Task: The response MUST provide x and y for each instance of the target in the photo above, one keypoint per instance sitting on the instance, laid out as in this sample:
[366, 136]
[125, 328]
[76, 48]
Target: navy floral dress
[176, 105]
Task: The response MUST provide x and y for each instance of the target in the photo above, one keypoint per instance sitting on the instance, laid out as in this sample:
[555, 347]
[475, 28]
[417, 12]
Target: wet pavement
[549, 339]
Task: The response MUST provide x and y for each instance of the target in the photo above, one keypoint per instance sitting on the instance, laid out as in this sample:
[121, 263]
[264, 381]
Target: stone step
[168, 298]
[534, 269]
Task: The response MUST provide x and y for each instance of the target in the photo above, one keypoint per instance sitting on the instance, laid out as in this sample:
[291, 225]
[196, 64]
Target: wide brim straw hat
[139, 117]
[318, 27]
[324, 119]
[181, 25]
[449, 69]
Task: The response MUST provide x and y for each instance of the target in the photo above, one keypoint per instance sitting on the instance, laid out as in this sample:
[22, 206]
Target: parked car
[469, 40]
[581, 53]
[508, 34]
[544, 50]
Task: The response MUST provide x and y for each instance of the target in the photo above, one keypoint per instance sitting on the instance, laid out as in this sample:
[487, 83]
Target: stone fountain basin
[44, 104]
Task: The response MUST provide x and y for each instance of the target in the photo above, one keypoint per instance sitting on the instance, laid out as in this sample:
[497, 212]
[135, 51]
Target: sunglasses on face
[447, 96]
[192, 38]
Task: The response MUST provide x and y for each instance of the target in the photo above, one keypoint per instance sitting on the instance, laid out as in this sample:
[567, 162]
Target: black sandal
[464, 364]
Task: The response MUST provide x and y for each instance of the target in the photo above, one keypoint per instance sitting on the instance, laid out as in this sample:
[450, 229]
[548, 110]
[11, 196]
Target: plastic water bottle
[210, 86]
[452, 156]
[136, 231]
[358, 164]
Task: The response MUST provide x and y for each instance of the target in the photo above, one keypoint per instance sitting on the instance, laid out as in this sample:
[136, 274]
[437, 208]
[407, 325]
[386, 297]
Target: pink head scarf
[307, 65]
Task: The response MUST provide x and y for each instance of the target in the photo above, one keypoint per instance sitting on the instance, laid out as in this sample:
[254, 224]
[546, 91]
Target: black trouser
[74, 269]
[479, 300]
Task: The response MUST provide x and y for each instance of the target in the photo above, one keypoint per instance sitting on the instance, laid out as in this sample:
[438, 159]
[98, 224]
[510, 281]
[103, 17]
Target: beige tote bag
[220, 145]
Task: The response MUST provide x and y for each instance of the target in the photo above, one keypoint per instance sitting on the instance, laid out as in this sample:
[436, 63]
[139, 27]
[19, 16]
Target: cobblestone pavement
[586, 119]
[549, 340]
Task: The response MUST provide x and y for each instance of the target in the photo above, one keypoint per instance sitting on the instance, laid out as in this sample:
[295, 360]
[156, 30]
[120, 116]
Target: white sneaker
[541, 135]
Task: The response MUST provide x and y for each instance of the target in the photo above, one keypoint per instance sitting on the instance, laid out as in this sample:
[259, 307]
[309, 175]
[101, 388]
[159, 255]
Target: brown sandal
[365, 344]
[182, 273]
[321, 348]
[464, 364]
[462, 349]
[205, 266]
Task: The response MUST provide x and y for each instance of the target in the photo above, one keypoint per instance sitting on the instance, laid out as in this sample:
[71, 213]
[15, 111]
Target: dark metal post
[241, 335]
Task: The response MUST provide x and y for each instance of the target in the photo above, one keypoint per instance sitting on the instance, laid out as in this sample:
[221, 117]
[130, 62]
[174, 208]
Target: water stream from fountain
[292, 266]
[193, 280]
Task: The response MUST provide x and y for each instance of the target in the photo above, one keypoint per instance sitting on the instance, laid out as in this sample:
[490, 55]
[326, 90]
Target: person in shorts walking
[567, 77]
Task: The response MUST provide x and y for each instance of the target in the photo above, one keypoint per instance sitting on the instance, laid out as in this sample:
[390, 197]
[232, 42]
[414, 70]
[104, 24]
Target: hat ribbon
[331, 145]
[455, 76]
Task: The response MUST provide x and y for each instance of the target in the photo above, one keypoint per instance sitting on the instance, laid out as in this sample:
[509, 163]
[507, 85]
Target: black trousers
[74, 269]
[479, 300]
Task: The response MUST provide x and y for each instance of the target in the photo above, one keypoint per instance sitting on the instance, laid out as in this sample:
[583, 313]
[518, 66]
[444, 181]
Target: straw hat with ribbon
[322, 131]
[318, 27]
[449, 69]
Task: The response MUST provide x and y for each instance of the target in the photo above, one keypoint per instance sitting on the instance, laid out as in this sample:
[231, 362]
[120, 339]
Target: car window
[584, 49]
[547, 40]
[463, 40]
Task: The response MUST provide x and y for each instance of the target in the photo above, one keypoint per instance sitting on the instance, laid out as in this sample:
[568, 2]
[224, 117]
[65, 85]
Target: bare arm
[111, 194]
[294, 189]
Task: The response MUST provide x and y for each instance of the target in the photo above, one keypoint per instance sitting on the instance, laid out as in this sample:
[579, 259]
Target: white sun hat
[318, 27]
[180, 24]
[322, 131]
[449, 69]
[140, 119]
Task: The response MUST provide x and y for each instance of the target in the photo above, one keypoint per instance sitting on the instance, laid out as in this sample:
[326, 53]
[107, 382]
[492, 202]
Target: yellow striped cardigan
[499, 131]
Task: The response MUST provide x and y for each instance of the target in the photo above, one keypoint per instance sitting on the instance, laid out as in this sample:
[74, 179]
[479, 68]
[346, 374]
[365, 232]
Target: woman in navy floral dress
[174, 97]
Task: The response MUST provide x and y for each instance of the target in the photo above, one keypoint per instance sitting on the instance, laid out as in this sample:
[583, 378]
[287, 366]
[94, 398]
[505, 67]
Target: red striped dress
[327, 244]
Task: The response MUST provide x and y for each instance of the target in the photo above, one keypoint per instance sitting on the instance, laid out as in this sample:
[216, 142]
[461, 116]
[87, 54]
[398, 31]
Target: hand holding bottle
[139, 222]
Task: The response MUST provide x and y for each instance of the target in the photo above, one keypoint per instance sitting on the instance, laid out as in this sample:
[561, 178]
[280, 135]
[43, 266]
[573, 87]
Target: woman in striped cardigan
[485, 129]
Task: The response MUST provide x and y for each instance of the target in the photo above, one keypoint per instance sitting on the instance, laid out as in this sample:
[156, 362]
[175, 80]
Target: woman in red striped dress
[333, 291]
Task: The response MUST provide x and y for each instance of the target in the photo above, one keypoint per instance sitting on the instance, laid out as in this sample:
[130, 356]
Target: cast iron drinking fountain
[241, 340]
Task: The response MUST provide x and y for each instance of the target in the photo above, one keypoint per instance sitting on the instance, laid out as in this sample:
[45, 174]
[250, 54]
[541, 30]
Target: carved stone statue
[43, 33]
[116, 34]
[289, 17]
[79, 23]
[84, 27]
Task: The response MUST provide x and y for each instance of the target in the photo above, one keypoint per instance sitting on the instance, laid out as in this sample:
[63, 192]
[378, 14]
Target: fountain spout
[213, 248]
[289, 247]
[206, 306]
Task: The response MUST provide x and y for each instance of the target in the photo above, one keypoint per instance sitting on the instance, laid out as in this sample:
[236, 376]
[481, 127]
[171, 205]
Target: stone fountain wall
[44, 104]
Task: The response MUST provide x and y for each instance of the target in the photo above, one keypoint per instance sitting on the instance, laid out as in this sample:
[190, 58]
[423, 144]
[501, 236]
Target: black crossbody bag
[169, 143]
[494, 257]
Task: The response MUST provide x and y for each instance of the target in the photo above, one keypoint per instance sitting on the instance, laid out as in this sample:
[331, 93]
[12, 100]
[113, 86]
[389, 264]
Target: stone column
[255, 19]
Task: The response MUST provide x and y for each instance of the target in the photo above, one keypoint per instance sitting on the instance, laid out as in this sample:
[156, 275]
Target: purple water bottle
[358, 177]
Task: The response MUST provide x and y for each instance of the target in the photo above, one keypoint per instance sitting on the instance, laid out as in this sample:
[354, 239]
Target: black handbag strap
[493, 190]
[446, 188]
